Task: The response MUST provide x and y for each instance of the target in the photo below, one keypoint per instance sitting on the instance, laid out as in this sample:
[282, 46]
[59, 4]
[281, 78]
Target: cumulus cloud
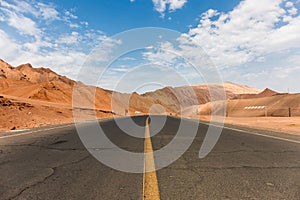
[247, 32]
[162, 6]
[247, 39]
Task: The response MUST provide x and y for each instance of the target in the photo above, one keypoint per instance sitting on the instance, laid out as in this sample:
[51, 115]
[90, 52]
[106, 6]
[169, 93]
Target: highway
[52, 163]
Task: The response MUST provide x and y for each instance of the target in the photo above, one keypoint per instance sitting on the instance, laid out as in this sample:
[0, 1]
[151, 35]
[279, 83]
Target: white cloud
[210, 13]
[244, 39]
[127, 59]
[35, 42]
[289, 4]
[176, 4]
[163, 56]
[19, 6]
[25, 16]
[10, 46]
[247, 32]
[120, 69]
[69, 39]
[71, 15]
[61, 60]
[48, 12]
[162, 6]
[24, 25]
[72, 20]
[73, 25]
[36, 9]
[294, 59]
[279, 78]
[24, 7]
[103, 53]
[84, 23]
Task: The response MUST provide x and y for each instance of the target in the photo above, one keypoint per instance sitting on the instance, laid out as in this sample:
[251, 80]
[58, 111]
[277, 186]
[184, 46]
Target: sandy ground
[290, 125]
[18, 114]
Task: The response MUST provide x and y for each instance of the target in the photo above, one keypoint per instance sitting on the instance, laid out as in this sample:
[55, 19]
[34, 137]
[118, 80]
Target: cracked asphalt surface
[53, 164]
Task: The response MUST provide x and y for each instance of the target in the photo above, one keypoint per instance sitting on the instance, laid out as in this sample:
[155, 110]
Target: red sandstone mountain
[43, 84]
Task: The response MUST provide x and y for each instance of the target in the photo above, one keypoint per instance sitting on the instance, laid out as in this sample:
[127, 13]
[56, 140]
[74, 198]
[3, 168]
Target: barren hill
[185, 96]
[26, 72]
[34, 83]
[43, 87]
[266, 93]
[41, 75]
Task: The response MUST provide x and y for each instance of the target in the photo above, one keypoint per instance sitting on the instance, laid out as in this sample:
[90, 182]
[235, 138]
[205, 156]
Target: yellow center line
[150, 183]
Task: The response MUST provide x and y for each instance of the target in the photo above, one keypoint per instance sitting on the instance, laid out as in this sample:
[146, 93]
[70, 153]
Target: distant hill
[235, 88]
[266, 93]
[186, 96]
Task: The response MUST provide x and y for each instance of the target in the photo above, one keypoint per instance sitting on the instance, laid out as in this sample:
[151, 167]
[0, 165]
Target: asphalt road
[52, 163]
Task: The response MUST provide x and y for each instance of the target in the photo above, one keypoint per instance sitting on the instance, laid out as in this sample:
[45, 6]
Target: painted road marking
[30, 132]
[253, 133]
[19, 130]
[150, 182]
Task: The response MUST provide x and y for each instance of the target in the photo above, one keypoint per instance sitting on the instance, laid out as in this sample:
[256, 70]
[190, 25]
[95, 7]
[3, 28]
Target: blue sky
[116, 16]
[252, 42]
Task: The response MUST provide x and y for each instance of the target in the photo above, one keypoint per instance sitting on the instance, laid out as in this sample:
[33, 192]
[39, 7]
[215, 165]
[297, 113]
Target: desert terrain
[33, 97]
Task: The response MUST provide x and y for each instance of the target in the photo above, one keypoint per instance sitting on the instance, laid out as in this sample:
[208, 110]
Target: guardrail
[257, 108]
[260, 110]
